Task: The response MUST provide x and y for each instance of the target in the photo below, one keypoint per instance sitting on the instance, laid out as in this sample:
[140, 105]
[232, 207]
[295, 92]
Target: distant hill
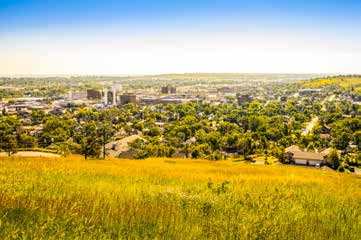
[340, 81]
[235, 75]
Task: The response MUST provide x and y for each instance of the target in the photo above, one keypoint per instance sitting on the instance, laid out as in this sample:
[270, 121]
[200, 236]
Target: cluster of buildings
[115, 96]
[309, 91]
[24, 105]
[168, 94]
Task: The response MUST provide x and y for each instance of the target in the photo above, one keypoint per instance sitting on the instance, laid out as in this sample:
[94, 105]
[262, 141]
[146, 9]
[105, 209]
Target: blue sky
[130, 37]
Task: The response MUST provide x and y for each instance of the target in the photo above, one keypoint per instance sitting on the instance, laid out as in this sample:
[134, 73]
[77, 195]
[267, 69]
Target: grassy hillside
[344, 82]
[174, 199]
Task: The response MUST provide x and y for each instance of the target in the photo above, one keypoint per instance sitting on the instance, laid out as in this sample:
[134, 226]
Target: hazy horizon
[44, 75]
[150, 38]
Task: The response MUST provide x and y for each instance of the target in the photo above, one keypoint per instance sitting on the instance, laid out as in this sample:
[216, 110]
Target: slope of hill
[343, 82]
[174, 199]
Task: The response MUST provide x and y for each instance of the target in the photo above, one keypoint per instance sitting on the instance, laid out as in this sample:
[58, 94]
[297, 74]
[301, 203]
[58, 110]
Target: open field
[72, 198]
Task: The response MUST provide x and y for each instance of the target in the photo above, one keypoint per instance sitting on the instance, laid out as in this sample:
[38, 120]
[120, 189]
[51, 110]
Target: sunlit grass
[344, 82]
[174, 199]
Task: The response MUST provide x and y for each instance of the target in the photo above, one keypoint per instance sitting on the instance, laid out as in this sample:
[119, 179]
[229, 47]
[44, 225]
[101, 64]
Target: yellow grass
[174, 199]
[344, 82]
[263, 158]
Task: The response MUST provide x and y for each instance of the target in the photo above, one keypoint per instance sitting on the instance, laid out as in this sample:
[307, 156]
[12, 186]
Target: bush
[341, 168]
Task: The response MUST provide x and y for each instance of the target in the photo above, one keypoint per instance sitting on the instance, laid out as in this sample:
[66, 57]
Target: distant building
[110, 96]
[94, 94]
[29, 100]
[164, 90]
[160, 125]
[78, 95]
[128, 98]
[176, 100]
[167, 100]
[309, 91]
[225, 90]
[150, 100]
[168, 89]
[243, 98]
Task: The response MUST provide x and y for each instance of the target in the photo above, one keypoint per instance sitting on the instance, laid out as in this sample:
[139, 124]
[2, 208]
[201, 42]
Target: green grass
[174, 199]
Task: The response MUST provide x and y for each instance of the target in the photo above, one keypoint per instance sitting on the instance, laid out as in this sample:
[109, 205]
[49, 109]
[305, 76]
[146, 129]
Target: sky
[109, 37]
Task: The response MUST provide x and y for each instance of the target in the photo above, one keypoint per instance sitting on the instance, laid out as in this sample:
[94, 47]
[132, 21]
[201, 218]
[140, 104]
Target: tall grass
[174, 199]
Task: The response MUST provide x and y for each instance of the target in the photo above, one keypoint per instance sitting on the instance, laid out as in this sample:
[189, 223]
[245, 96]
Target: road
[314, 120]
[323, 103]
[310, 126]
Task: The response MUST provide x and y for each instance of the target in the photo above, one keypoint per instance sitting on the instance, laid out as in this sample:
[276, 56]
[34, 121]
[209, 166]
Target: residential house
[300, 156]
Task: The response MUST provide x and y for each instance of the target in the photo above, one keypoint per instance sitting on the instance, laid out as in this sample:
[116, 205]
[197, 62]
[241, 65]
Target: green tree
[37, 116]
[89, 140]
[154, 131]
[26, 141]
[9, 126]
[56, 130]
[139, 126]
[105, 132]
[245, 145]
[357, 139]
[201, 151]
[342, 139]
[214, 139]
[334, 159]
[9, 144]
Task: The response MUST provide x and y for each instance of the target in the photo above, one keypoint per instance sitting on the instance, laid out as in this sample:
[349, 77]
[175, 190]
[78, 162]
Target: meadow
[70, 198]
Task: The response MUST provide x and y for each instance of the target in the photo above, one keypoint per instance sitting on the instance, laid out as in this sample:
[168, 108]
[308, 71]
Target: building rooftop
[308, 155]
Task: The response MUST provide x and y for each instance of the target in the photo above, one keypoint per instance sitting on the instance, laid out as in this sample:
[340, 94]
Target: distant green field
[43, 198]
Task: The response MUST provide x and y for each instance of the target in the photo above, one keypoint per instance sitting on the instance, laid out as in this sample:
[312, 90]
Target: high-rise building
[94, 94]
[165, 90]
[128, 98]
[168, 89]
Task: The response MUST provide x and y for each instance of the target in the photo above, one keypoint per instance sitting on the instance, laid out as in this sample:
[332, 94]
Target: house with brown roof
[300, 156]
